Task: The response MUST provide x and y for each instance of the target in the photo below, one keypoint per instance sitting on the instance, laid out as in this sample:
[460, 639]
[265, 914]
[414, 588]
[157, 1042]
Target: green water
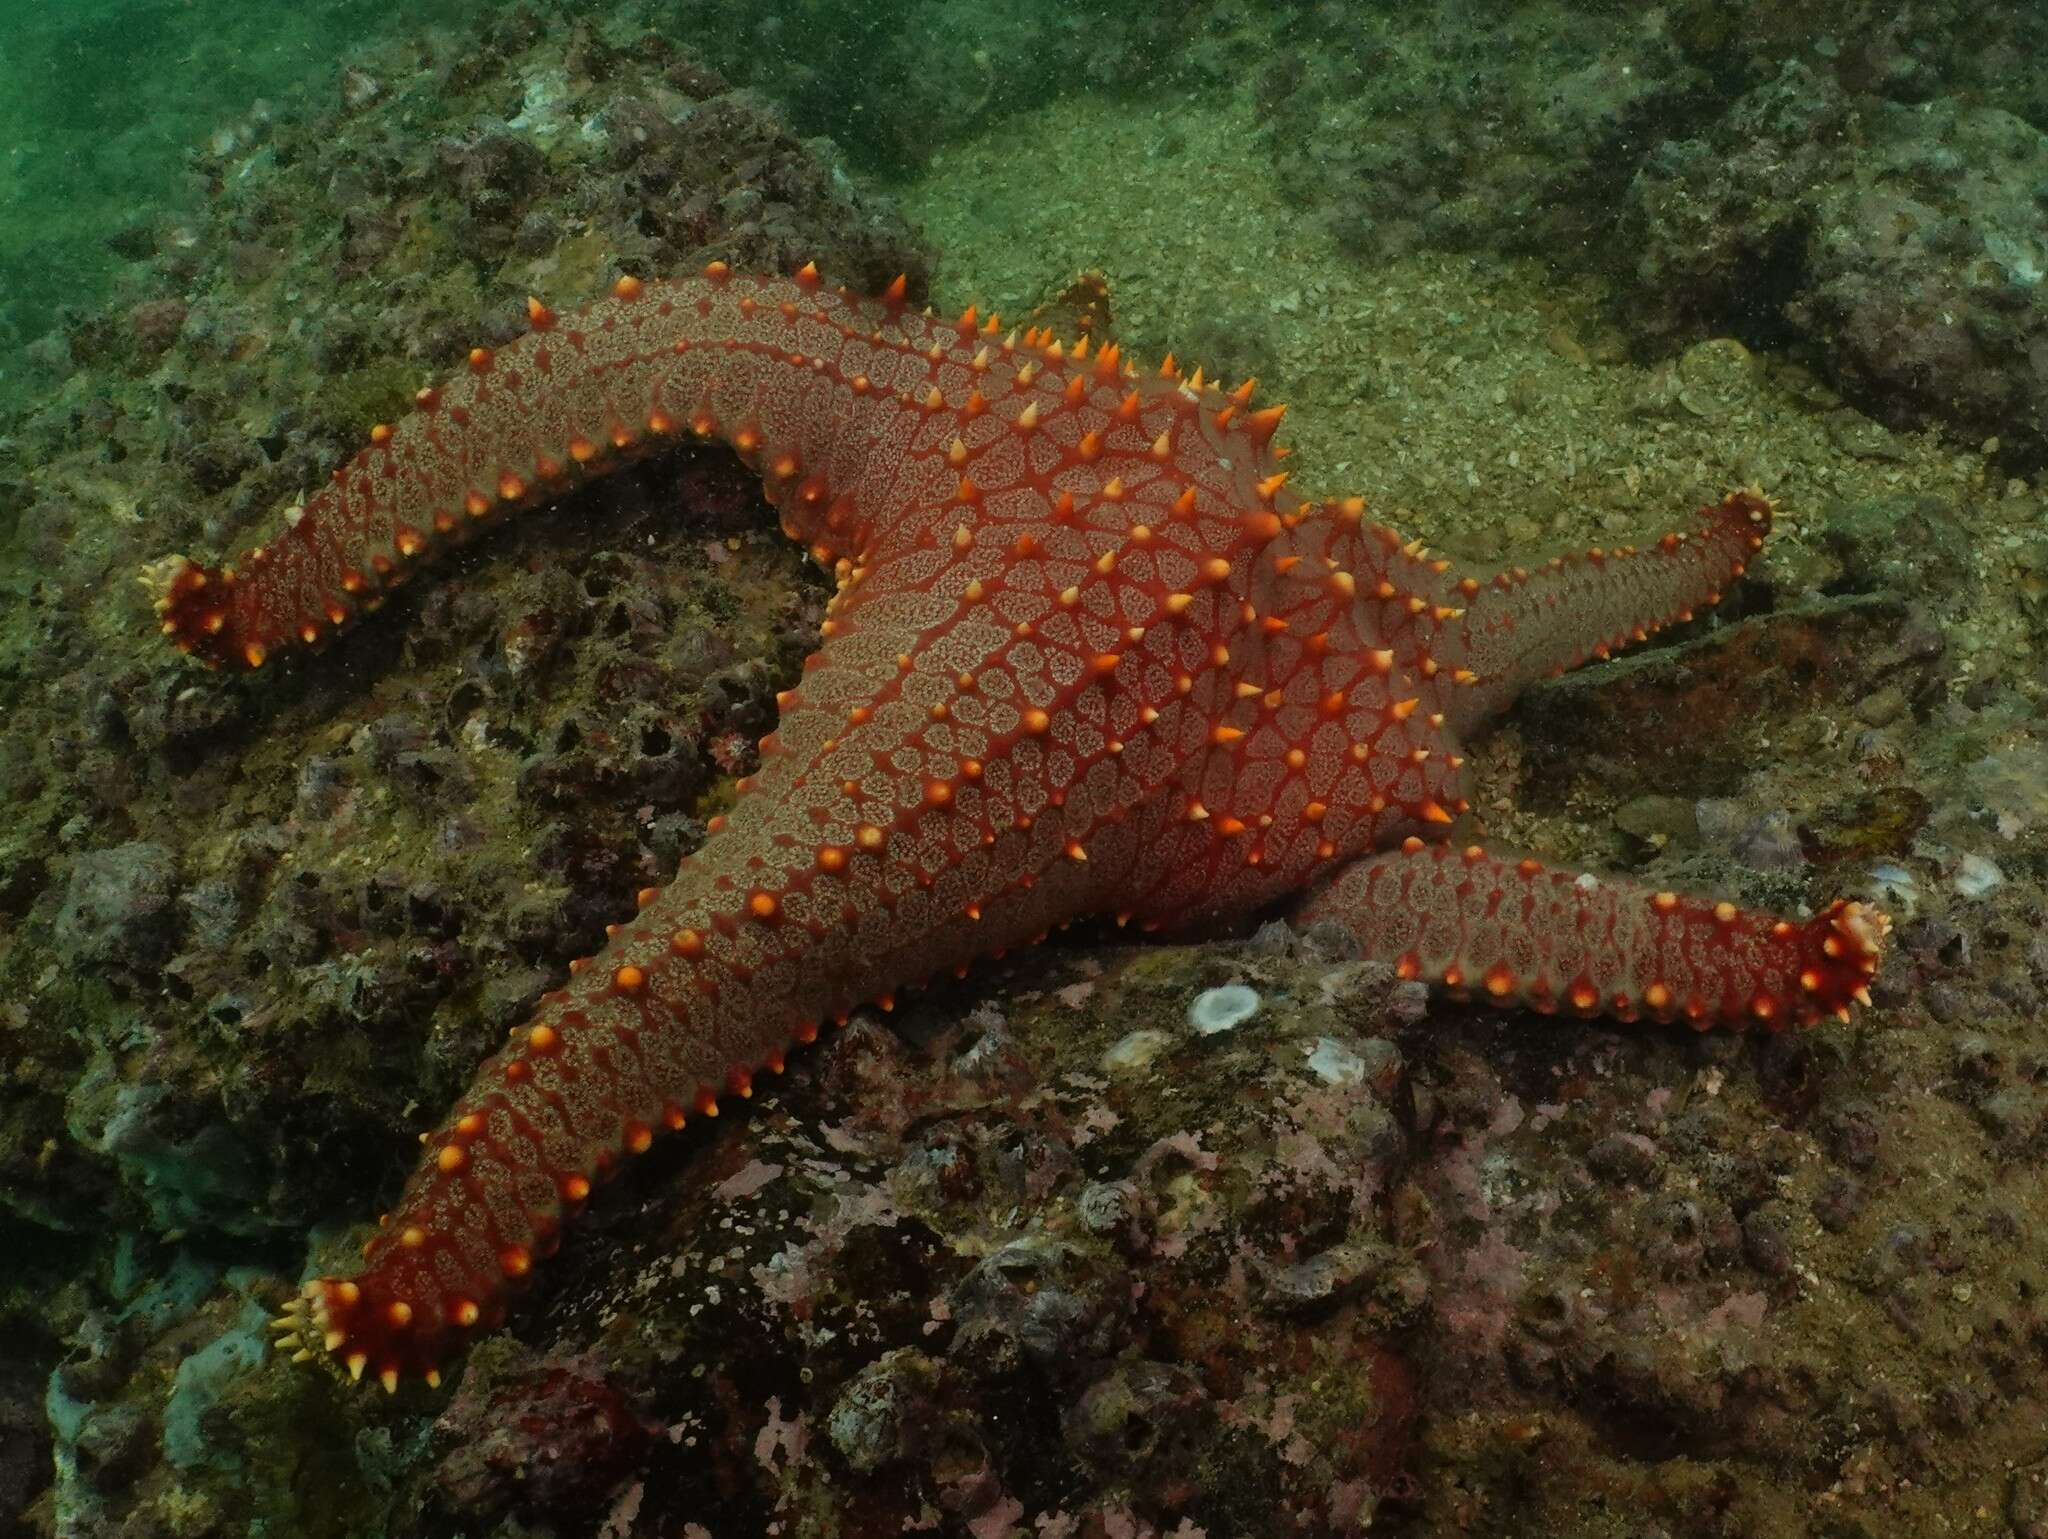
[103, 104]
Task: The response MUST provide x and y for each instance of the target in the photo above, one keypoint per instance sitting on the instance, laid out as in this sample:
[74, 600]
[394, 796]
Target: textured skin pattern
[1519, 932]
[1088, 656]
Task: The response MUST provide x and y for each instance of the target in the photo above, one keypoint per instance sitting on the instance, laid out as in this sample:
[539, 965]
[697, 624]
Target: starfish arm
[1521, 625]
[1521, 933]
[782, 369]
[695, 1000]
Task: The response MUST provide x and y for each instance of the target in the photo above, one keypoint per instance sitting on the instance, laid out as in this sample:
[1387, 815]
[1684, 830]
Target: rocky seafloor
[1235, 1236]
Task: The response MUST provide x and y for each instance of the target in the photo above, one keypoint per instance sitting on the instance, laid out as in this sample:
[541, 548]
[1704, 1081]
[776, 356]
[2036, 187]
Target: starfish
[1088, 656]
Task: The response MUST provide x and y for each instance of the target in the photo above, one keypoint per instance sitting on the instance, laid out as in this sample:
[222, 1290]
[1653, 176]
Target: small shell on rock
[1896, 887]
[1975, 876]
[1217, 1010]
[1715, 377]
[1334, 1062]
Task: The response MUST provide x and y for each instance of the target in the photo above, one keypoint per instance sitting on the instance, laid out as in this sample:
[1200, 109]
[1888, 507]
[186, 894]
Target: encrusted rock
[119, 906]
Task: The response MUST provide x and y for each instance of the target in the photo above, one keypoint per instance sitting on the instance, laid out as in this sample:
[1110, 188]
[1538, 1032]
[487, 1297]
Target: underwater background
[1084, 1246]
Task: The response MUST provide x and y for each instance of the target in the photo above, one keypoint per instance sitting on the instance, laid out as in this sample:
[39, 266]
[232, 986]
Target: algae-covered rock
[1906, 242]
[1864, 179]
[119, 907]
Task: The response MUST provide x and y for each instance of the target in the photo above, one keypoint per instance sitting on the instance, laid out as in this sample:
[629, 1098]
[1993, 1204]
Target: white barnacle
[1215, 1010]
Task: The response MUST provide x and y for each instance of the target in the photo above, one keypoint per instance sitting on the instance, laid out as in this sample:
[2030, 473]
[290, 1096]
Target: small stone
[994, 1061]
[1375, 1133]
[115, 1446]
[1937, 943]
[1946, 1002]
[1852, 1134]
[213, 914]
[1656, 395]
[1715, 361]
[1977, 1059]
[1105, 1207]
[1566, 346]
[1274, 938]
[1897, 888]
[877, 1417]
[118, 906]
[1882, 707]
[1135, 1051]
[1329, 942]
[1409, 1004]
[1840, 1202]
[1975, 876]
[1380, 1063]
[321, 787]
[540, 1433]
[1658, 820]
[155, 324]
[1767, 1238]
[2012, 1115]
[1327, 1277]
[359, 88]
[1334, 1062]
[1771, 842]
[1134, 1416]
[1625, 1159]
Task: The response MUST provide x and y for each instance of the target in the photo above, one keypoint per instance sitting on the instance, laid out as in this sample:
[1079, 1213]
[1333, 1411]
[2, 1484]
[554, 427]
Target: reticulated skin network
[1088, 655]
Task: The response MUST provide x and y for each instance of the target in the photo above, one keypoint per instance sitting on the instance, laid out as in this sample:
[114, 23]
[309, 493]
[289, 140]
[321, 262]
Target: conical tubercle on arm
[1523, 624]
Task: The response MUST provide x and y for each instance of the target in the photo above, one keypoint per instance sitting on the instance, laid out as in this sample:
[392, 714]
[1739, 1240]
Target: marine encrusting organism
[1088, 656]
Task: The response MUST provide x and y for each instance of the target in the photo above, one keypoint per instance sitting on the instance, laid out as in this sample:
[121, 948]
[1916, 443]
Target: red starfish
[1088, 656]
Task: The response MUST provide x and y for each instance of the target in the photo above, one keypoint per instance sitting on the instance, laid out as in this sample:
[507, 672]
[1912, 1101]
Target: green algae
[381, 392]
